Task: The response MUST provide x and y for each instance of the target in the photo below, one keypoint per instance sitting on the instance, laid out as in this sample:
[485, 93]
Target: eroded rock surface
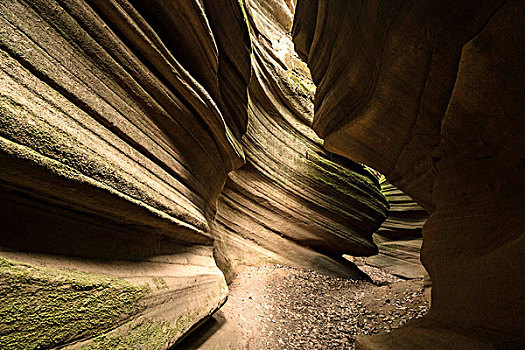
[293, 203]
[399, 237]
[119, 121]
[431, 95]
[399, 257]
[405, 218]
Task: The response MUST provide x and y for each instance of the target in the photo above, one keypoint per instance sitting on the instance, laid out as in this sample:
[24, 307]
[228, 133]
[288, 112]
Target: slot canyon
[262, 174]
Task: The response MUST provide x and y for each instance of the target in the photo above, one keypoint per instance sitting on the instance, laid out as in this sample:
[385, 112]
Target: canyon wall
[399, 237]
[431, 94]
[119, 121]
[293, 203]
[405, 217]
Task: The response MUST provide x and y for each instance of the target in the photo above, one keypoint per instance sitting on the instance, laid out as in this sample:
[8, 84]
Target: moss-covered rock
[147, 335]
[44, 307]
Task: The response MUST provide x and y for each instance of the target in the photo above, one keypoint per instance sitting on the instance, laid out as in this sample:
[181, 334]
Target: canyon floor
[278, 307]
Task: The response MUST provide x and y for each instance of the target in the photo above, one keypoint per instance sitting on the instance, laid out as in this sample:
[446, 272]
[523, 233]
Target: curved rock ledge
[405, 218]
[74, 303]
[399, 237]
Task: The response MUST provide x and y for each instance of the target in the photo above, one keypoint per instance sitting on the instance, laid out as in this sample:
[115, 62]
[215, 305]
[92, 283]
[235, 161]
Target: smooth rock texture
[431, 95]
[119, 121]
[399, 257]
[293, 203]
[399, 237]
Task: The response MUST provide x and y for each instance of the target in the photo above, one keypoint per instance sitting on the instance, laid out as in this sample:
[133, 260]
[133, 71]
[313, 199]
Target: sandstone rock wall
[119, 121]
[405, 217]
[293, 203]
[431, 94]
[399, 237]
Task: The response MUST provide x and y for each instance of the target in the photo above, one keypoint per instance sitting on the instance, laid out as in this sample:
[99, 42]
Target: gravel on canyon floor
[283, 308]
[286, 308]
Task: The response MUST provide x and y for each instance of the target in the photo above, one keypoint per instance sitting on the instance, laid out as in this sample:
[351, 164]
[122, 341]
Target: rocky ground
[278, 307]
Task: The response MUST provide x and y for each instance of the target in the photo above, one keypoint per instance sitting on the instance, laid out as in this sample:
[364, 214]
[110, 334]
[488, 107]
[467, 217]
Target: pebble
[309, 310]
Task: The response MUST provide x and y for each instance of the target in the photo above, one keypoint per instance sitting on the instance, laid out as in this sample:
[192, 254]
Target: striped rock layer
[293, 203]
[119, 121]
[399, 237]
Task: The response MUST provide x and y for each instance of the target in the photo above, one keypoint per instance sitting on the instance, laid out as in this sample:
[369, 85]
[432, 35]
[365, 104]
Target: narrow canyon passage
[254, 174]
[278, 307]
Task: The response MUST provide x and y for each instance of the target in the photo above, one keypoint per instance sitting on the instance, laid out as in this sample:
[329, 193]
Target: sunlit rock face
[293, 203]
[431, 94]
[399, 237]
[118, 124]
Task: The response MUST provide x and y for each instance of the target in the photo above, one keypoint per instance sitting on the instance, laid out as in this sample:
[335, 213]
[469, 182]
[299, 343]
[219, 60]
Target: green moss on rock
[299, 84]
[145, 335]
[44, 307]
[150, 335]
[348, 182]
[160, 283]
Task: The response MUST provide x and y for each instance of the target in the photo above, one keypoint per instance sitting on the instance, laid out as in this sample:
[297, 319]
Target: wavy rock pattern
[405, 218]
[431, 94]
[399, 237]
[119, 121]
[292, 203]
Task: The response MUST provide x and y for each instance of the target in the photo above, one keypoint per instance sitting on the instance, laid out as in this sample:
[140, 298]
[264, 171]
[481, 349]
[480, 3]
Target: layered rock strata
[431, 94]
[119, 121]
[399, 237]
[293, 203]
[399, 257]
[405, 218]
